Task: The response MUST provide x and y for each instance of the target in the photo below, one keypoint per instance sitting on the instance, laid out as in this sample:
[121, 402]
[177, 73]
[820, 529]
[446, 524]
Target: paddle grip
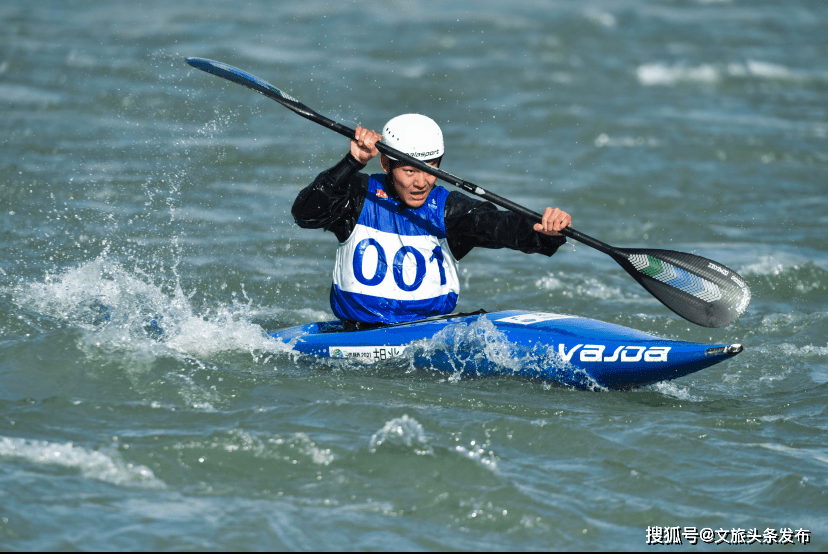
[538, 218]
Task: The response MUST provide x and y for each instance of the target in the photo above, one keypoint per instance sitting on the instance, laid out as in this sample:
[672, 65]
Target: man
[400, 236]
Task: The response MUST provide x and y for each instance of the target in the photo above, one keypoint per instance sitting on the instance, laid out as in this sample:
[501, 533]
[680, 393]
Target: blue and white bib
[396, 266]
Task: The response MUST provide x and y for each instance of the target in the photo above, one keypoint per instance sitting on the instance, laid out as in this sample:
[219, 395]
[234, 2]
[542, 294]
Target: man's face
[413, 186]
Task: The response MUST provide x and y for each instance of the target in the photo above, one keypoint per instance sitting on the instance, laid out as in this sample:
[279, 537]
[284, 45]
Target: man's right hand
[362, 147]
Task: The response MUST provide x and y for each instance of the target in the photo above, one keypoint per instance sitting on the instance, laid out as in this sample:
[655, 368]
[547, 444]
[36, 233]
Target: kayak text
[368, 354]
[595, 353]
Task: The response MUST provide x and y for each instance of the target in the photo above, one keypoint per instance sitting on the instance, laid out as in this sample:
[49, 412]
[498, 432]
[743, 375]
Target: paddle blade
[699, 290]
[251, 81]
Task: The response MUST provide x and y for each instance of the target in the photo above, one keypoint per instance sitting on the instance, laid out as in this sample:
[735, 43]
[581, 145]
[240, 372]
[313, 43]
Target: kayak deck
[570, 350]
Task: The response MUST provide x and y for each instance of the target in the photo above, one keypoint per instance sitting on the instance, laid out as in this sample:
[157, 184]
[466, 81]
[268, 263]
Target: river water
[135, 189]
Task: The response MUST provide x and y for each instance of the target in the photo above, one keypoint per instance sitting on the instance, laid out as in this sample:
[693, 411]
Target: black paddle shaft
[454, 180]
[698, 289]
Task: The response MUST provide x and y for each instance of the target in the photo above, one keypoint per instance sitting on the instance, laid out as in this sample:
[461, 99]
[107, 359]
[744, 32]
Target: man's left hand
[553, 221]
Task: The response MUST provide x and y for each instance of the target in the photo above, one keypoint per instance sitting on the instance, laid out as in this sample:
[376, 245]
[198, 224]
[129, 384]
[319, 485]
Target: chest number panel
[381, 268]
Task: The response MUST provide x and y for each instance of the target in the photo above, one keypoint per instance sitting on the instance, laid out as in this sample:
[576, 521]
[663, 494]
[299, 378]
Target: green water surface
[134, 188]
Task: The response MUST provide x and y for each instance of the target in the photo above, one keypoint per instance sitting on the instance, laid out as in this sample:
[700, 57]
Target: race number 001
[382, 265]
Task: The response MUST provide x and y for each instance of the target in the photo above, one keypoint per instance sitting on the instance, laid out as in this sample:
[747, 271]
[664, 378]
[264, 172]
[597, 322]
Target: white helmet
[414, 134]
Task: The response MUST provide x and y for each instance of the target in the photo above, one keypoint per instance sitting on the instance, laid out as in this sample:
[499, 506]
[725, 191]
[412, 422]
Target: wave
[800, 280]
[658, 74]
[92, 464]
[405, 435]
[401, 433]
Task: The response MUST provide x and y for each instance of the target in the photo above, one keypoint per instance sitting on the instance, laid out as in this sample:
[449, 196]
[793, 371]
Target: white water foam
[579, 286]
[474, 349]
[402, 432]
[772, 265]
[658, 74]
[285, 448]
[674, 390]
[481, 337]
[126, 310]
[769, 70]
[799, 275]
[319, 456]
[663, 75]
[479, 453]
[92, 464]
[804, 351]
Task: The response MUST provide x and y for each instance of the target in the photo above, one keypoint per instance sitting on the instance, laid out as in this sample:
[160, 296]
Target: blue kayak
[569, 350]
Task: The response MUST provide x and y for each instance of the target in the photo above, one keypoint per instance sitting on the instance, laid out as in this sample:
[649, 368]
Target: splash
[472, 347]
[92, 464]
[674, 390]
[319, 456]
[478, 453]
[402, 433]
[479, 349]
[126, 310]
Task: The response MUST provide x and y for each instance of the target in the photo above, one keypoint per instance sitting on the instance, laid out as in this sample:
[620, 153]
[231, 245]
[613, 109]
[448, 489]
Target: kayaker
[400, 236]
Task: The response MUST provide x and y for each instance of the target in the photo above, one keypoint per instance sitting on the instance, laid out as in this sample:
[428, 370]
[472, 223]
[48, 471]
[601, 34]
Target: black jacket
[334, 200]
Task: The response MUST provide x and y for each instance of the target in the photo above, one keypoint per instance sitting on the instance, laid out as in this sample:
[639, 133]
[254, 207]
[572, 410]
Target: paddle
[699, 290]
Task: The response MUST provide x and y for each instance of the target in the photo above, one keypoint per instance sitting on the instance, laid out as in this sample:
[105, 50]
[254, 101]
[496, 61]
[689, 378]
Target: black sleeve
[334, 200]
[471, 223]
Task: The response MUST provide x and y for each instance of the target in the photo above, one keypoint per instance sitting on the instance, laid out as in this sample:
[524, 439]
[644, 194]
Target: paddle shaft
[471, 188]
